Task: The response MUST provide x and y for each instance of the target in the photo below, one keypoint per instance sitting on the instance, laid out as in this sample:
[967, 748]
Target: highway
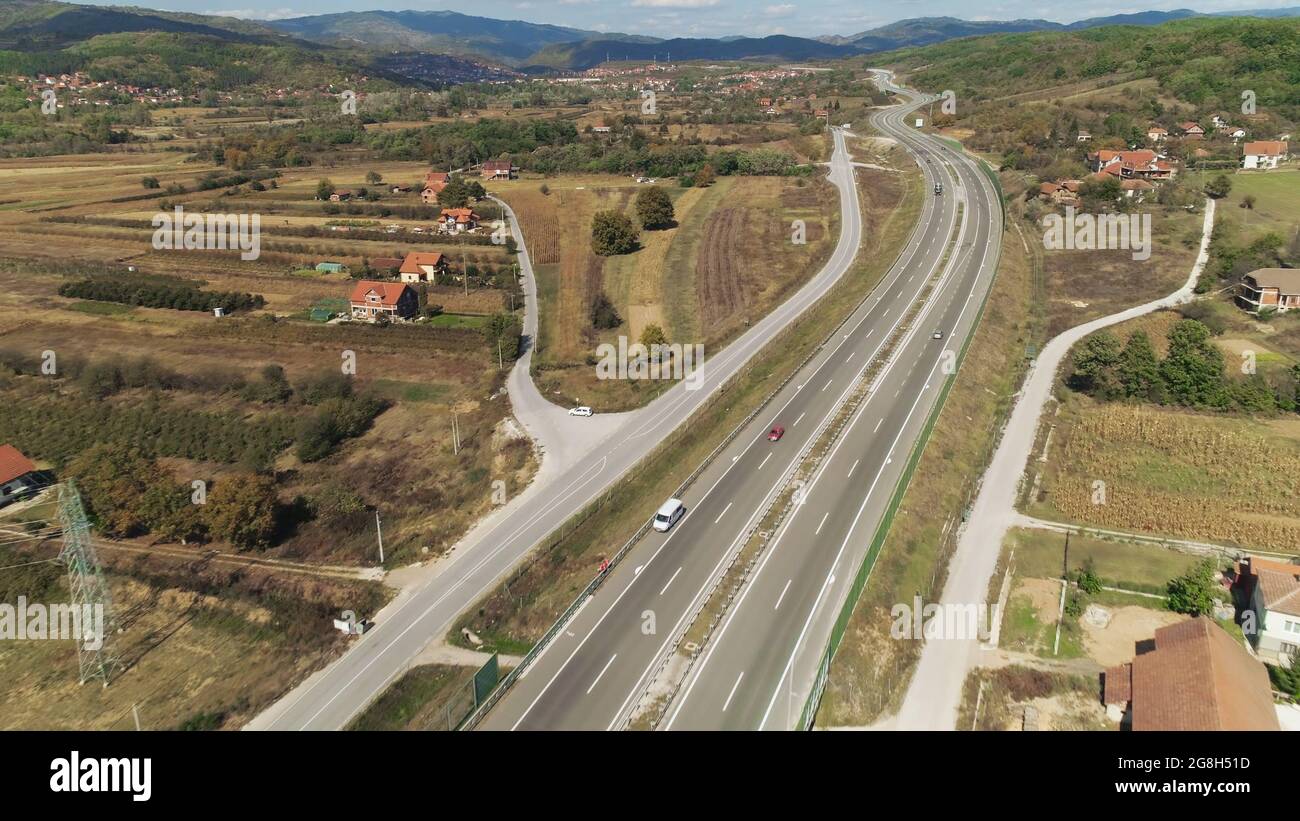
[757, 668]
[331, 697]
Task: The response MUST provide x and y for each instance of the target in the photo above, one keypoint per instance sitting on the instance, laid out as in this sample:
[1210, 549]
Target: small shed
[330, 267]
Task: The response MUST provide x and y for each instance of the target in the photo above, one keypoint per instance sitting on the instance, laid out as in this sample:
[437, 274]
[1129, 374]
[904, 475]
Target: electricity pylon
[87, 588]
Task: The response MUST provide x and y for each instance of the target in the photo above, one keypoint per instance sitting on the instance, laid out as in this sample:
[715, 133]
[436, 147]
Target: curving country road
[330, 698]
[755, 672]
[933, 697]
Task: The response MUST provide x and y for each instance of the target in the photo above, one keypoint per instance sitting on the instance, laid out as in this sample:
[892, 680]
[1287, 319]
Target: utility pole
[500, 362]
[135, 712]
[455, 433]
[379, 531]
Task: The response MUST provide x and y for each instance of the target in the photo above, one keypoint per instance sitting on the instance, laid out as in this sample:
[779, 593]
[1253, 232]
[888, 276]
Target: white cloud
[675, 4]
[258, 14]
[780, 10]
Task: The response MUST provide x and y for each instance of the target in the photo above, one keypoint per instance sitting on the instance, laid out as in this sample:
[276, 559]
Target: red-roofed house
[17, 474]
[1065, 192]
[1273, 590]
[1142, 163]
[1137, 189]
[1263, 154]
[371, 300]
[1194, 677]
[385, 265]
[418, 267]
[499, 170]
[1156, 134]
[434, 182]
[457, 220]
[1191, 130]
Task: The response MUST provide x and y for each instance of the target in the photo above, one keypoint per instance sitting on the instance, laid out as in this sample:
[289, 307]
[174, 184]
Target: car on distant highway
[938, 188]
[937, 335]
[775, 433]
[581, 410]
[668, 514]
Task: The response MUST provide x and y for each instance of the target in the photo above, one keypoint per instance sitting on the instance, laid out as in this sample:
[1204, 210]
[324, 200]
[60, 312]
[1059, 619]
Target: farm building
[499, 170]
[18, 475]
[1193, 676]
[385, 265]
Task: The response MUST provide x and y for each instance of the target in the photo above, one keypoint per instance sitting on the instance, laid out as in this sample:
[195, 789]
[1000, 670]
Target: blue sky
[713, 18]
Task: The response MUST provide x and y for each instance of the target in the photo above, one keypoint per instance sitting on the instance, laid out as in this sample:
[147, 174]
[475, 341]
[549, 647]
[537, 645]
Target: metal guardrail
[501, 689]
[841, 414]
[809, 712]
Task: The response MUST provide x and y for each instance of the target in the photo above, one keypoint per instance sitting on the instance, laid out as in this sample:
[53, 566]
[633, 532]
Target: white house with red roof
[395, 300]
[457, 220]
[1272, 590]
[422, 267]
[1264, 154]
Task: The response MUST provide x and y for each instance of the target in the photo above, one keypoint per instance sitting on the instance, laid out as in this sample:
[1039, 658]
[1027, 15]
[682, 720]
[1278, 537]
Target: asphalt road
[757, 669]
[330, 698]
[933, 697]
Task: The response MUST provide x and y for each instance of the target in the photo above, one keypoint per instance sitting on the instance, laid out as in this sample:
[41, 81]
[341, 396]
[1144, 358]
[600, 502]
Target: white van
[668, 514]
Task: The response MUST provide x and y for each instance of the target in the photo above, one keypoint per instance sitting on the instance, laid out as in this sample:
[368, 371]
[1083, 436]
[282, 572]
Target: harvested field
[1177, 473]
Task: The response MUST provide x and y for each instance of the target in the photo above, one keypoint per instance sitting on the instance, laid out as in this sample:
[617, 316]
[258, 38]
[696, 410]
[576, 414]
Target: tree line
[1190, 375]
[158, 293]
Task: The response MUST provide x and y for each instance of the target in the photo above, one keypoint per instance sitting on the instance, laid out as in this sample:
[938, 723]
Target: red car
[775, 433]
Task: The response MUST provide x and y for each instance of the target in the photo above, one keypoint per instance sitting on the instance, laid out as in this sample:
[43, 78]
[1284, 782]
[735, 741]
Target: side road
[437, 594]
[934, 695]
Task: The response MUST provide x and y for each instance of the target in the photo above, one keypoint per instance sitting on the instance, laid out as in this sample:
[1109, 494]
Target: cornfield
[537, 218]
[1181, 474]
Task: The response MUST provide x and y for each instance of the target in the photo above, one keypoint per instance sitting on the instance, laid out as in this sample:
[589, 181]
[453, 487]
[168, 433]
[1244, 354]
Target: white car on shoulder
[581, 410]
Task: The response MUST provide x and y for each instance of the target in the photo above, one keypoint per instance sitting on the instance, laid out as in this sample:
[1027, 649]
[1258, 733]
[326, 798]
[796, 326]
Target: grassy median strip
[521, 609]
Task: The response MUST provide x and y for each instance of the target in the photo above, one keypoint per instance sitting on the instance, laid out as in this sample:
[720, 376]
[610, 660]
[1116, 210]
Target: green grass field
[457, 321]
[101, 308]
[1277, 199]
[1145, 568]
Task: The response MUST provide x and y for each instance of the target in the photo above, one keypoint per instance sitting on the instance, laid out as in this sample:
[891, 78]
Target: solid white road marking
[602, 673]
